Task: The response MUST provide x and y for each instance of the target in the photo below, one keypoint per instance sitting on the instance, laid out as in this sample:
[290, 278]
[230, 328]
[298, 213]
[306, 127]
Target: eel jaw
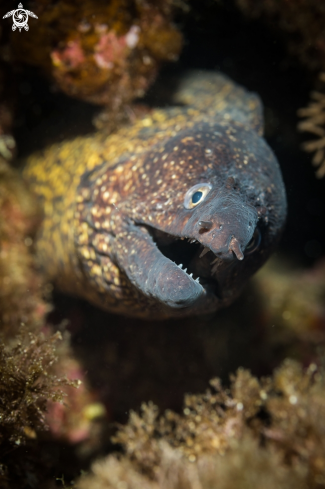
[151, 272]
[194, 260]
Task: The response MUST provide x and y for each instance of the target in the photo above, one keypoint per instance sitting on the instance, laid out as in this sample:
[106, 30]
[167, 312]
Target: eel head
[191, 219]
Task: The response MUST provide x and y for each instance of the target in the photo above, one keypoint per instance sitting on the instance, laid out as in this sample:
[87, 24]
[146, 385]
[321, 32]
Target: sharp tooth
[191, 274]
[180, 265]
[185, 269]
[204, 252]
[197, 280]
[193, 241]
[215, 260]
[214, 269]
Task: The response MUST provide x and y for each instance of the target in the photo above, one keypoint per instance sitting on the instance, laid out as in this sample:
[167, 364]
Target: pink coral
[71, 56]
[111, 49]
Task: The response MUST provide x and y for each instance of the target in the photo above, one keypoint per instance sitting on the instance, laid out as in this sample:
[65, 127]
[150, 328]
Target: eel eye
[195, 195]
[254, 242]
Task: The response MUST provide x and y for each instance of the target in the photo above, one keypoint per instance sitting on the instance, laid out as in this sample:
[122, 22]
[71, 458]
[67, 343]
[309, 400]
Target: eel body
[168, 216]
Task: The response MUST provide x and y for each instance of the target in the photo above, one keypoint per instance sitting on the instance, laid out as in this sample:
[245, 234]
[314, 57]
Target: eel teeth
[191, 274]
[204, 252]
[180, 266]
[197, 280]
[215, 260]
[193, 241]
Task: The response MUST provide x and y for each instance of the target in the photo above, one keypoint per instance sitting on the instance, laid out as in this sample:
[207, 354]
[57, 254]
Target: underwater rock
[107, 53]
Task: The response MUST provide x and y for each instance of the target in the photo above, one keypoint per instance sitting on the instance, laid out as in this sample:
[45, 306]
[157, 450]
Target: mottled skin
[114, 205]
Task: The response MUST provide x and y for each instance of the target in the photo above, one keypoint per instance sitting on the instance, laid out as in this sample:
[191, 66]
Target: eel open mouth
[192, 257]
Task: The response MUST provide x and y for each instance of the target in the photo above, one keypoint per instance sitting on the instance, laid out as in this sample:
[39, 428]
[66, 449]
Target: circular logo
[20, 19]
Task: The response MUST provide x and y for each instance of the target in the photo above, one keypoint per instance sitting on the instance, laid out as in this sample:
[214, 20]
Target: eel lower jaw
[154, 274]
[192, 258]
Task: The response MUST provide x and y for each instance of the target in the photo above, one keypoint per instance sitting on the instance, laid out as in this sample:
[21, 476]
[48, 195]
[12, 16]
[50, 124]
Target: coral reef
[34, 365]
[40, 405]
[28, 382]
[21, 286]
[280, 315]
[106, 53]
[77, 423]
[292, 312]
[263, 431]
[245, 465]
[258, 433]
[314, 123]
[21, 298]
[26, 385]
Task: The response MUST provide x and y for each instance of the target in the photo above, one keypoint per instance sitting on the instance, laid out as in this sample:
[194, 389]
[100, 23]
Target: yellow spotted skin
[90, 189]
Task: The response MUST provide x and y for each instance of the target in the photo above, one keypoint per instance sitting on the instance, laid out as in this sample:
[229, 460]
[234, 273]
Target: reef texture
[314, 123]
[258, 433]
[281, 314]
[26, 385]
[249, 430]
[21, 293]
[34, 364]
[106, 53]
[75, 421]
[292, 312]
[39, 402]
[28, 382]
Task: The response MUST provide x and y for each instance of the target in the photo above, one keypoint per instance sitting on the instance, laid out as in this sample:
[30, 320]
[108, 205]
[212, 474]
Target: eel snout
[235, 247]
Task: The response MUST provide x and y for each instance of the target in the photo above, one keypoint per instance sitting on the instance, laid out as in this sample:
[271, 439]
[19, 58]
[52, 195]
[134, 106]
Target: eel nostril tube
[235, 247]
[205, 225]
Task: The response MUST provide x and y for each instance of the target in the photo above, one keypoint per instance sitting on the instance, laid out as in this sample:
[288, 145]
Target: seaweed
[314, 123]
[27, 385]
[256, 433]
[28, 382]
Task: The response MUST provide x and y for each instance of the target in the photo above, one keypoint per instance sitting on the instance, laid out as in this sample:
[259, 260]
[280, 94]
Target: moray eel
[168, 216]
